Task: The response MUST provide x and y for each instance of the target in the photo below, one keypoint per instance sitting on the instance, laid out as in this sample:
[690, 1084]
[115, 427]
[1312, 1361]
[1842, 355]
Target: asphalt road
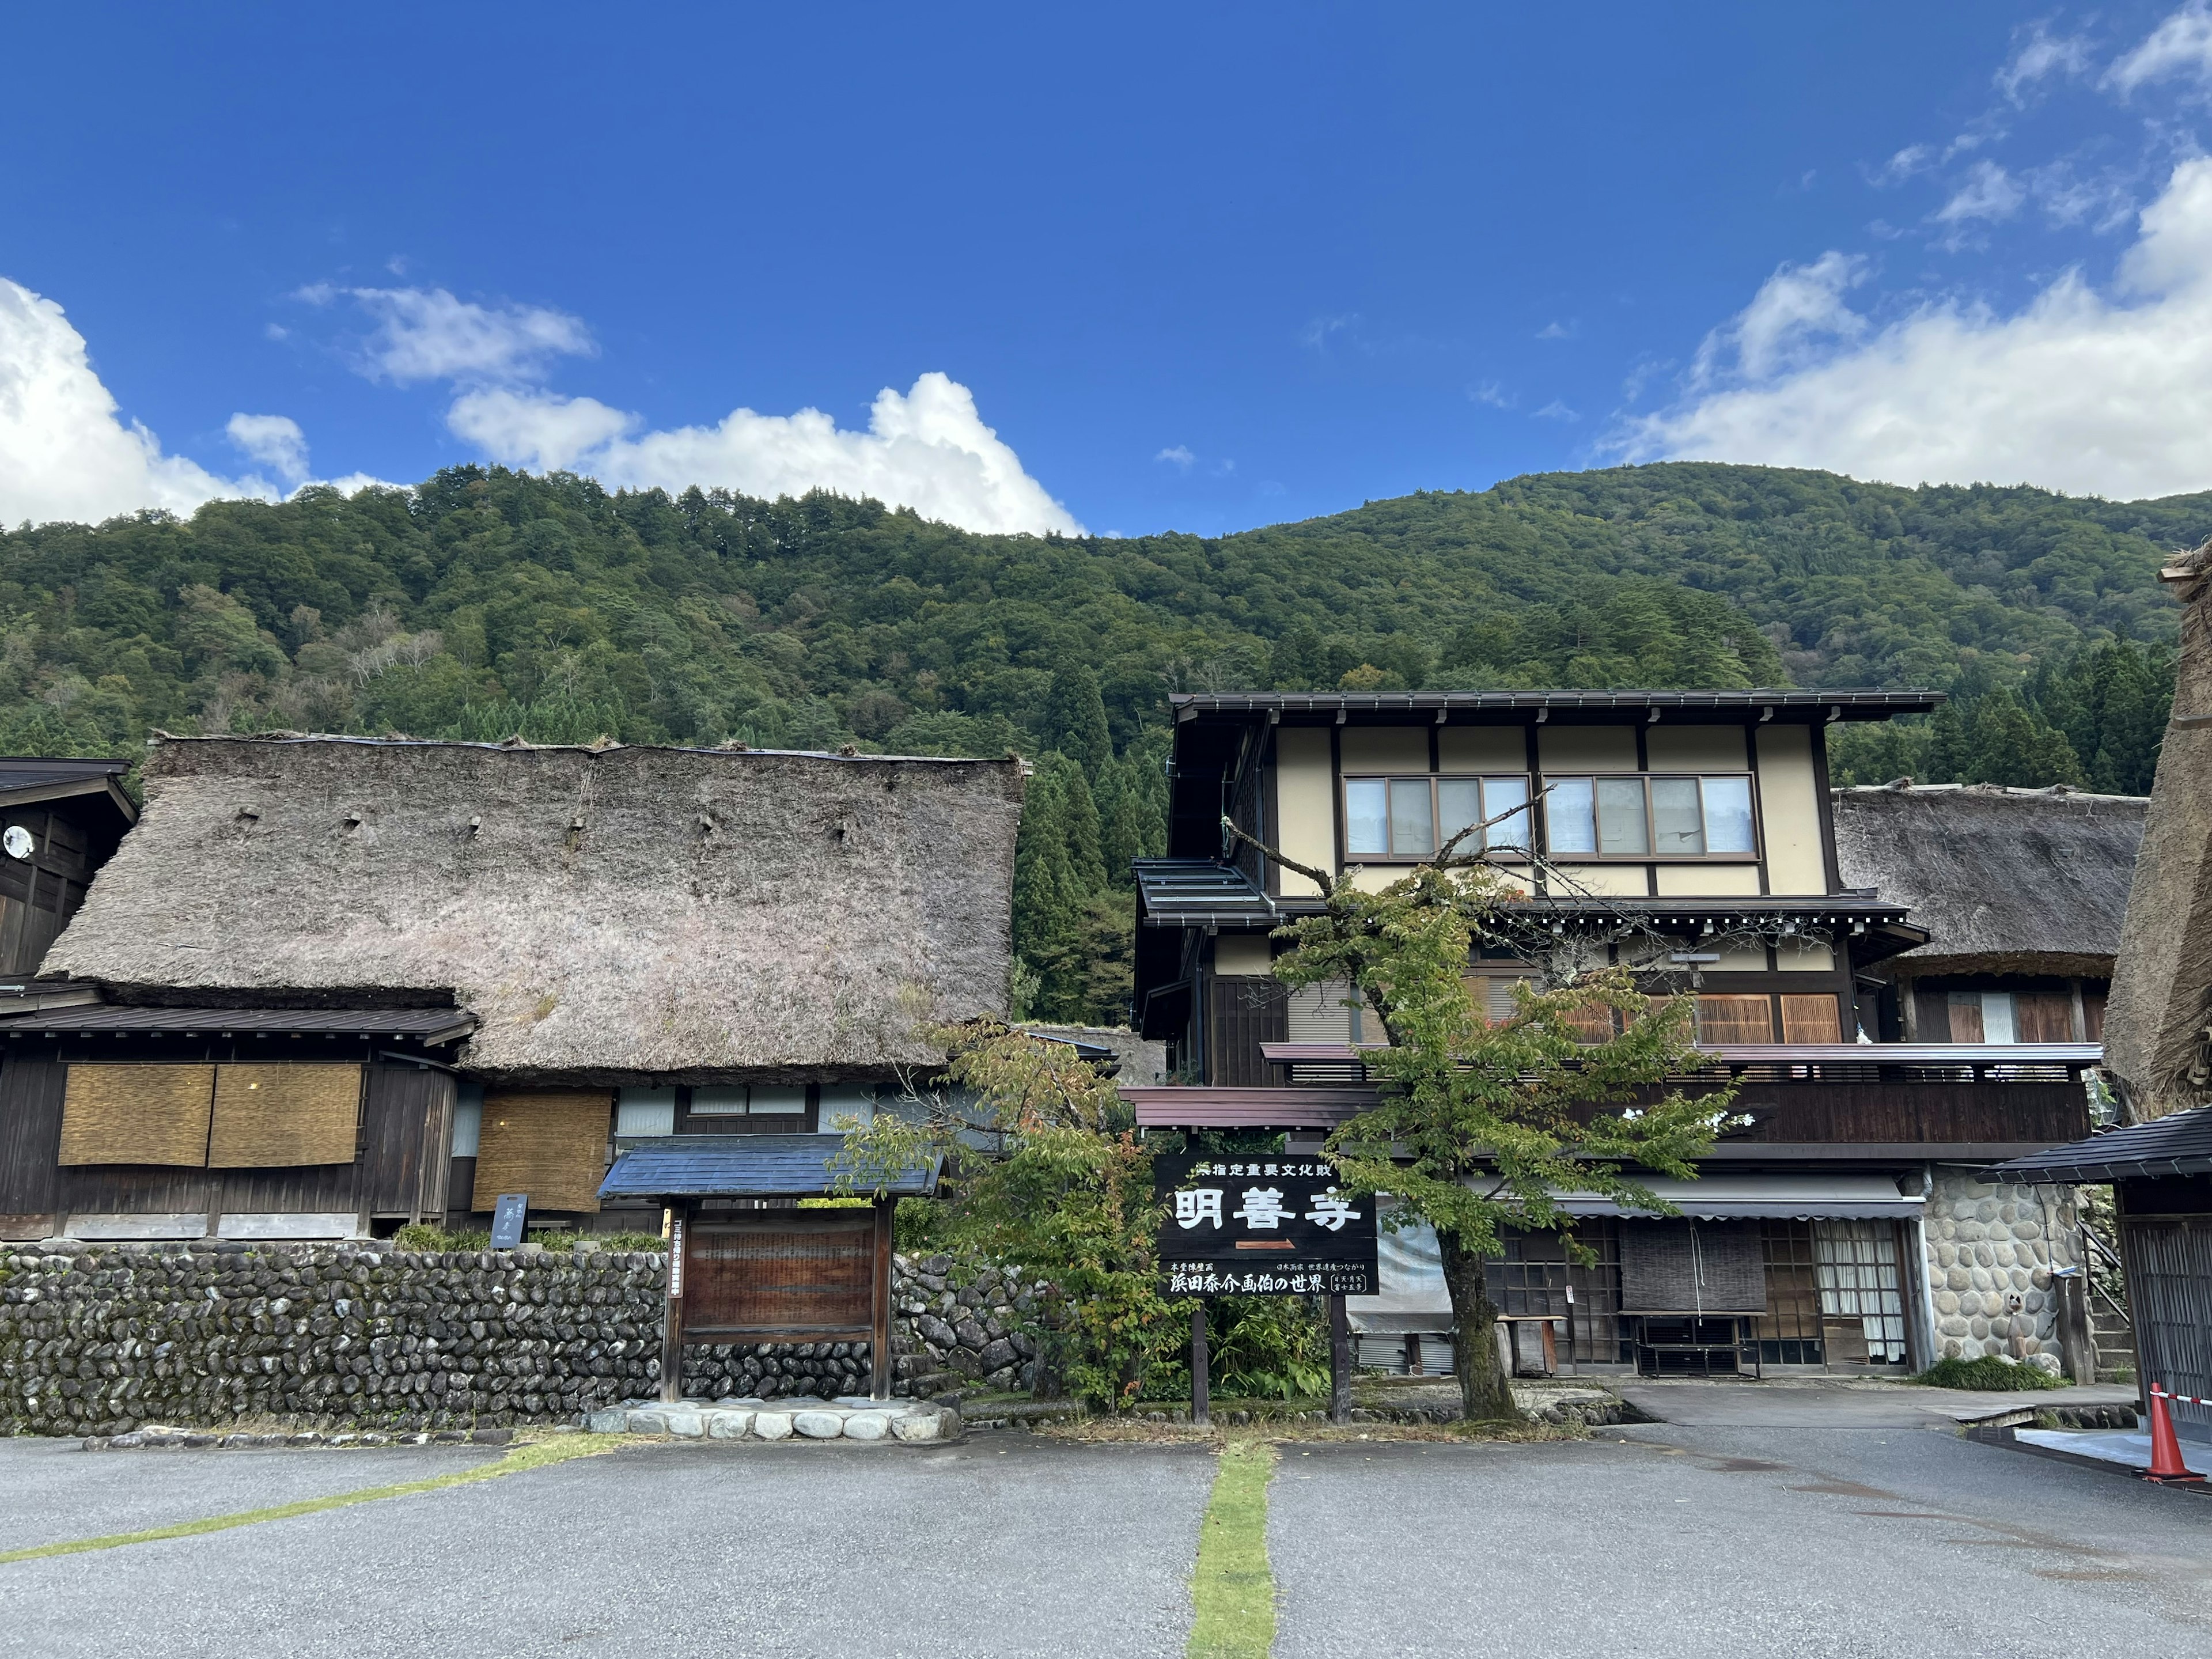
[1654, 1540]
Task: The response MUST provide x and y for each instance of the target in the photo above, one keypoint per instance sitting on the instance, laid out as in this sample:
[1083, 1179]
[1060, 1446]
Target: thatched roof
[2155, 1024]
[603, 912]
[2023, 881]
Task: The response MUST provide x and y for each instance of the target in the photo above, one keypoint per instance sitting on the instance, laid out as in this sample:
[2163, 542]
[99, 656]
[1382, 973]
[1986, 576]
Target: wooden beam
[1199, 1386]
[879, 1347]
[1340, 1362]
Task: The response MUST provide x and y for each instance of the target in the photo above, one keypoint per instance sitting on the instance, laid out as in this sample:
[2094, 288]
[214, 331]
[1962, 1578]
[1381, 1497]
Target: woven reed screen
[1810, 1019]
[551, 1145]
[136, 1115]
[1735, 1019]
[278, 1116]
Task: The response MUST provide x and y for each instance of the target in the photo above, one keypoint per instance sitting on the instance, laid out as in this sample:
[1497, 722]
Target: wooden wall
[399, 1173]
[40, 893]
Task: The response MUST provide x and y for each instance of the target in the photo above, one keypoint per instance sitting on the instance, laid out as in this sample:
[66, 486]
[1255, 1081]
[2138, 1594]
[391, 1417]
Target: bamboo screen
[136, 1115]
[1735, 1019]
[283, 1116]
[1810, 1019]
[552, 1145]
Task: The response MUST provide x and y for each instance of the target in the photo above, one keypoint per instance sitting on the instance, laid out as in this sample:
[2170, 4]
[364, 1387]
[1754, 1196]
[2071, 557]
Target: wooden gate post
[1200, 1387]
[879, 1346]
[672, 1332]
[1340, 1362]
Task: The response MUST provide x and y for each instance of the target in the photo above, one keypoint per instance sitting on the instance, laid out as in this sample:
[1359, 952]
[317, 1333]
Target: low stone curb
[867, 1421]
[167, 1439]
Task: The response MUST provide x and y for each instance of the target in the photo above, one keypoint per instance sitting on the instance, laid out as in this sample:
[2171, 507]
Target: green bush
[1989, 1372]
[421, 1237]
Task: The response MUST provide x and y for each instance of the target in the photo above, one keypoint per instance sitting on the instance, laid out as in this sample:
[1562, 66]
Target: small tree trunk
[1484, 1393]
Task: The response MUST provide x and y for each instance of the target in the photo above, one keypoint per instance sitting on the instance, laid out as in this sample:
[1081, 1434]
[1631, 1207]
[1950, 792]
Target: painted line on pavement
[535, 1455]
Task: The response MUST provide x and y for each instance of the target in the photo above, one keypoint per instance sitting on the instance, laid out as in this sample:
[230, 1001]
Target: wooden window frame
[1757, 854]
[1494, 854]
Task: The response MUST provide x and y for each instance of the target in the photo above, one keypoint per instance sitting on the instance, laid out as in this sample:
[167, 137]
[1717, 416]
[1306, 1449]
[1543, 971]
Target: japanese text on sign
[1277, 1226]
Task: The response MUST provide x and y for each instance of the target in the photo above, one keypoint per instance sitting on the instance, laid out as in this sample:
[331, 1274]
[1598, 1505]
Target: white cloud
[2180, 45]
[1557, 331]
[1493, 392]
[427, 334]
[2102, 392]
[2042, 53]
[1990, 193]
[274, 441]
[65, 453]
[1179, 456]
[1557, 411]
[928, 450]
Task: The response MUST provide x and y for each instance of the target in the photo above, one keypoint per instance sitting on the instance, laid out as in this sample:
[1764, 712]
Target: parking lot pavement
[1005, 1545]
[1666, 1540]
[54, 1490]
[1833, 1403]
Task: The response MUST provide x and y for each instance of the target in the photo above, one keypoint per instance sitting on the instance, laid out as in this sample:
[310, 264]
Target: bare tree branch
[1325, 882]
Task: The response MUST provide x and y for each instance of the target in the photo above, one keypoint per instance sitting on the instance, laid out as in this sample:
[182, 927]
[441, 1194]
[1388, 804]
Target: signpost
[1256, 1225]
[509, 1217]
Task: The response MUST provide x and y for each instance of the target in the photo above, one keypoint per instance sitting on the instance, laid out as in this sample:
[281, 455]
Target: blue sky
[1199, 268]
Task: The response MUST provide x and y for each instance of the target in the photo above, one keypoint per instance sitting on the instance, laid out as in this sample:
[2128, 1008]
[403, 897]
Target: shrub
[1989, 1372]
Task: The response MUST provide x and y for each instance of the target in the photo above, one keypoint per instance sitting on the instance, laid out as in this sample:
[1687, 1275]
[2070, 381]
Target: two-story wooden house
[1689, 835]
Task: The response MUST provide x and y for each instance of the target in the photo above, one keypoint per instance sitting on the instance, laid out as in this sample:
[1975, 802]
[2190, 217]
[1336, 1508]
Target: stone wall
[97, 1340]
[1988, 1242]
[962, 1322]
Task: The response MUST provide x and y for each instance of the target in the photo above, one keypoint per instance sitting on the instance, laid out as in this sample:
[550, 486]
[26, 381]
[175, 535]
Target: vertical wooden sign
[671, 1333]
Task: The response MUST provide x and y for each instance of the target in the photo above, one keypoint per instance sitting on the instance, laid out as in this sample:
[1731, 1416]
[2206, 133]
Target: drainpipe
[1923, 1344]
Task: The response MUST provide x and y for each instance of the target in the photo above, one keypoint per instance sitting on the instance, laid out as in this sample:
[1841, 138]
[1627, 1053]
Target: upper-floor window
[1638, 815]
[1410, 818]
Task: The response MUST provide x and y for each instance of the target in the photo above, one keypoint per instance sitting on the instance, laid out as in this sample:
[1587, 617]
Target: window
[642, 1113]
[1410, 818]
[1861, 1294]
[281, 1116]
[1810, 1019]
[1644, 816]
[550, 1145]
[2012, 1015]
[128, 1114]
[1735, 1019]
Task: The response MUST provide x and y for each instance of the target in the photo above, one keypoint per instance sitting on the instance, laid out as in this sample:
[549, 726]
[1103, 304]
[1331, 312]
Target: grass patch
[1233, 1592]
[1137, 1431]
[1989, 1373]
[531, 1455]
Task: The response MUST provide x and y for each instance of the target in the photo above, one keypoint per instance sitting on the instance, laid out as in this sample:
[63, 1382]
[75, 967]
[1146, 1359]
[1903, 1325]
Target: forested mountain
[487, 602]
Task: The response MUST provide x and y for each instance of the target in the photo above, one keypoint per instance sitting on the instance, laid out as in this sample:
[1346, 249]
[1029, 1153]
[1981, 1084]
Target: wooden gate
[789, 1276]
[2169, 1268]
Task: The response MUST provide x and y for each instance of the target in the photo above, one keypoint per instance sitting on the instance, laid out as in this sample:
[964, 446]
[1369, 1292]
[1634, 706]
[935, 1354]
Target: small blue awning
[746, 1166]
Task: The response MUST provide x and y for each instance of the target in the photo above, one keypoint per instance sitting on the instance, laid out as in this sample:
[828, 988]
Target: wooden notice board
[781, 1276]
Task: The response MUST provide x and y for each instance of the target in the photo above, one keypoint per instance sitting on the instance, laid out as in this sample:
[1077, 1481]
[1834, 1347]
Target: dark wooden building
[345, 984]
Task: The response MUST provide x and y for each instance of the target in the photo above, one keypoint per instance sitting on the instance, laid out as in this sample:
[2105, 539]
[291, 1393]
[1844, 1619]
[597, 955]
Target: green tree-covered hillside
[487, 602]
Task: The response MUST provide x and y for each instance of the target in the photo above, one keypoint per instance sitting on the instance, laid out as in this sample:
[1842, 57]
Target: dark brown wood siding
[1905, 1113]
[1243, 1012]
[407, 1114]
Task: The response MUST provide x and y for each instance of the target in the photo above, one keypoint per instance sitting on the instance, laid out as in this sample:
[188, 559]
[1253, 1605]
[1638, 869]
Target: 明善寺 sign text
[1261, 1226]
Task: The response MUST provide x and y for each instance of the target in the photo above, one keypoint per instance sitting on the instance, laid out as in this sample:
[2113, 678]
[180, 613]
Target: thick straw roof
[2022, 881]
[603, 912]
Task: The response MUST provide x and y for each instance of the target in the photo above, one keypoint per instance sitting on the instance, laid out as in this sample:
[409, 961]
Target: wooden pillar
[1199, 1385]
[672, 1219]
[1340, 1362]
[2077, 1342]
[879, 1346]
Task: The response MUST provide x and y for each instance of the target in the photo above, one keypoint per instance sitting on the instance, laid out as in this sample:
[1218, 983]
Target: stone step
[783, 1419]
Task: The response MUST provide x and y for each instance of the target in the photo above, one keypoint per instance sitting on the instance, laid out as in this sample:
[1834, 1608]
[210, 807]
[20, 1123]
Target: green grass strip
[535, 1455]
[1233, 1592]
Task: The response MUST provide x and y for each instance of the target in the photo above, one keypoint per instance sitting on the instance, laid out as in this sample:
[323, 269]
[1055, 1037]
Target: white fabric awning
[1796, 1198]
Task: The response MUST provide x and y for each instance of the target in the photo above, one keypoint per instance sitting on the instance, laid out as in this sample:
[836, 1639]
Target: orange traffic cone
[2166, 1462]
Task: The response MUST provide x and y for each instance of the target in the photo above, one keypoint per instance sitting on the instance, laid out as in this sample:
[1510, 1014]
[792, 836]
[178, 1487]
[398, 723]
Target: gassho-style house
[1854, 1224]
[328, 986]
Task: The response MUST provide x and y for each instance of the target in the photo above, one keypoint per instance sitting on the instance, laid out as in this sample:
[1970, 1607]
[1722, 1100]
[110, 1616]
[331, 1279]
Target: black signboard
[509, 1215]
[1258, 1225]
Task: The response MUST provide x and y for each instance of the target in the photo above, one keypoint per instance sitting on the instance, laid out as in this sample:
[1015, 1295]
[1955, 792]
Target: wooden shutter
[1966, 1017]
[281, 1116]
[1735, 1019]
[2042, 1016]
[2093, 1015]
[1810, 1019]
[136, 1115]
[551, 1146]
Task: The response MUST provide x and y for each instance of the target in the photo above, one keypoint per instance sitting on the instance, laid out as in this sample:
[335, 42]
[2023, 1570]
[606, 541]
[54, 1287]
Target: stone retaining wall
[1988, 1242]
[99, 1340]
